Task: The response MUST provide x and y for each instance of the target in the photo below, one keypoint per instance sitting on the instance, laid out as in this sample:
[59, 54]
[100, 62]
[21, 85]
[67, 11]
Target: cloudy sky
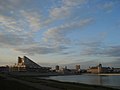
[60, 31]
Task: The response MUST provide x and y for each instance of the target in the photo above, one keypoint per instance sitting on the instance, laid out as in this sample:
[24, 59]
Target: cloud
[33, 19]
[115, 63]
[19, 9]
[9, 24]
[91, 47]
[59, 34]
[60, 12]
[23, 22]
[71, 3]
[13, 40]
[91, 51]
[41, 50]
[91, 43]
[108, 5]
[19, 30]
[113, 51]
[66, 11]
[96, 48]
[6, 6]
[66, 8]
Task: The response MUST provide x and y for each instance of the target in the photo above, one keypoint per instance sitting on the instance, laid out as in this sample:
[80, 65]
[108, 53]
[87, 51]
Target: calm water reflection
[112, 81]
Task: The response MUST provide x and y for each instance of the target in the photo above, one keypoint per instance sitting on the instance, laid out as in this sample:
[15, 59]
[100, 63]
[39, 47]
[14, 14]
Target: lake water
[109, 80]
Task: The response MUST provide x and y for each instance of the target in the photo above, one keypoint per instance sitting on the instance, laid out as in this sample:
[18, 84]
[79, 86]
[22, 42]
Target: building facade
[99, 69]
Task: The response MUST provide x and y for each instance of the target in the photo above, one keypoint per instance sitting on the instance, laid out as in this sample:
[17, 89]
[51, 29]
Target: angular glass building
[28, 65]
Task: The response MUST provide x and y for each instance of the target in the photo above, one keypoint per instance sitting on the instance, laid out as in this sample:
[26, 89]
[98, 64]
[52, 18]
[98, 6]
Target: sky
[65, 32]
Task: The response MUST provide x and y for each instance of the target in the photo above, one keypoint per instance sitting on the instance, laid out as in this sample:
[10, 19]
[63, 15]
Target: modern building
[26, 64]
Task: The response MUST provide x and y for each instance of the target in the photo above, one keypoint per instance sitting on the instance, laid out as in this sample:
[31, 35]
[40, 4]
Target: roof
[30, 63]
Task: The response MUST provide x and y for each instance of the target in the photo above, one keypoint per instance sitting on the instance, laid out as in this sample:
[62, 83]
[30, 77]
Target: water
[111, 81]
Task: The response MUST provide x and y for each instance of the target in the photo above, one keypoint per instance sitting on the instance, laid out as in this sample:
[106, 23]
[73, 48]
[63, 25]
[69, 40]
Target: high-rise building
[56, 67]
[20, 61]
[78, 67]
[65, 67]
[99, 68]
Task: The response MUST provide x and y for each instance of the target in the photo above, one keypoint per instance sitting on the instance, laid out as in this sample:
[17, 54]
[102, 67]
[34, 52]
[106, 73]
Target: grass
[13, 85]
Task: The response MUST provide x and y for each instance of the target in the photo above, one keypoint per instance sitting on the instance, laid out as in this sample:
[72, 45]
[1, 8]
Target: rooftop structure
[30, 63]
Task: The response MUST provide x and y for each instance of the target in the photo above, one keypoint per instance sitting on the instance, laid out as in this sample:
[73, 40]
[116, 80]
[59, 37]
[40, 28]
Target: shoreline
[89, 85]
[108, 86]
[65, 85]
[48, 84]
[110, 74]
[56, 74]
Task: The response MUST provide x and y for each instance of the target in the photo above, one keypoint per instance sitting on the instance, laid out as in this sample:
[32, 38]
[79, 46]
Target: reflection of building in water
[26, 64]
[100, 80]
[96, 79]
[99, 69]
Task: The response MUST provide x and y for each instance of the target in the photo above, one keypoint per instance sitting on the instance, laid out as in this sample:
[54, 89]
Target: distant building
[77, 71]
[4, 69]
[65, 67]
[116, 70]
[64, 71]
[99, 69]
[26, 64]
[56, 67]
[78, 67]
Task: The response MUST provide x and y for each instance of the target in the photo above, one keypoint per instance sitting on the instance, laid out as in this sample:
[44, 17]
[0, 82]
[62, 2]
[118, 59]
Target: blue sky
[60, 31]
